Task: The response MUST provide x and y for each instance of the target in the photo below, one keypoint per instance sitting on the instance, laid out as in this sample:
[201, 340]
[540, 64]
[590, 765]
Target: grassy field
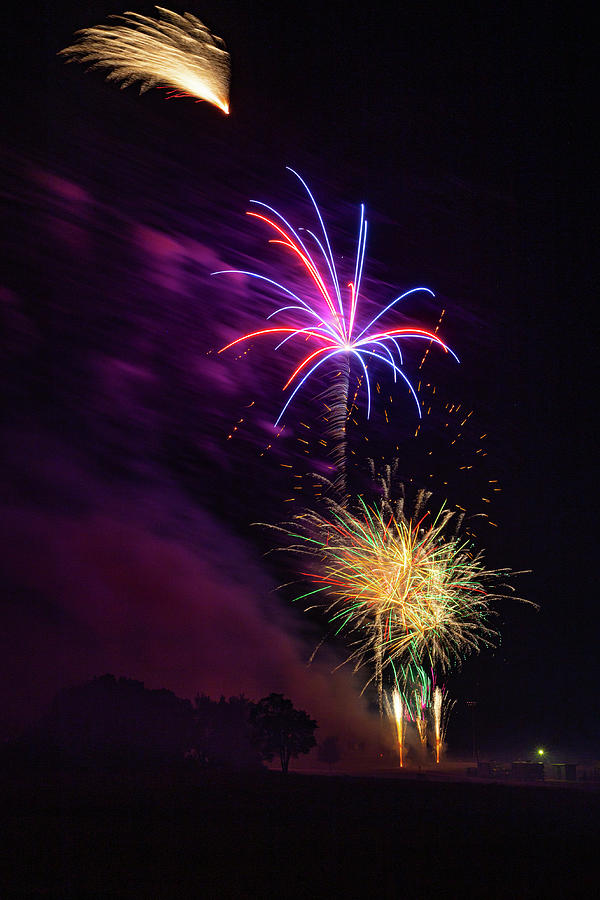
[263, 835]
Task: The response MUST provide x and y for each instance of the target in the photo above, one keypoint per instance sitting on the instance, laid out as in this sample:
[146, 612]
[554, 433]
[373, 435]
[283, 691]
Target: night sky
[127, 538]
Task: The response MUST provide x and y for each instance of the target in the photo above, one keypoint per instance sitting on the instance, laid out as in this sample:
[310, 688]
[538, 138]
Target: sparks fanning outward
[327, 316]
[175, 52]
[402, 590]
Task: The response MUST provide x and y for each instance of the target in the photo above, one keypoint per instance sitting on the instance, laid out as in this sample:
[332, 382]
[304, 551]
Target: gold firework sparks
[175, 52]
[403, 591]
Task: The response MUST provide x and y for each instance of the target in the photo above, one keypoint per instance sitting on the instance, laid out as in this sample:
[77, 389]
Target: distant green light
[541, 752]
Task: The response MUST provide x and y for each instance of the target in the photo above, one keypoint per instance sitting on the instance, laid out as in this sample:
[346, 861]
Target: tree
[329, 751]
[119, 720]
[224, 734]
[281, 729]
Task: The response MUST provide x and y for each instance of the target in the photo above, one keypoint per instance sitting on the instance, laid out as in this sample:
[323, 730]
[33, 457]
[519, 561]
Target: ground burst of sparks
[398, 714]
[416, 700]
[442, 708]
[403, 591]
[415, 687]
[175, 52]
[328, 314]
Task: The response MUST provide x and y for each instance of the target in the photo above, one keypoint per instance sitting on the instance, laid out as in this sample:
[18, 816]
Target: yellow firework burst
[403, 590]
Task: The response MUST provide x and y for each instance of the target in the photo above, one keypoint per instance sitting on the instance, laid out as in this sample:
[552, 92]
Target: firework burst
[327, 317]
[402, 591]
[175, 52]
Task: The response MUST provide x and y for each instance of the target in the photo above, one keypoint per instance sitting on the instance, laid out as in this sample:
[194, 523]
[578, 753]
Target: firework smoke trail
[378, 642]
[175, 52]
[328, 317]
[337, 397]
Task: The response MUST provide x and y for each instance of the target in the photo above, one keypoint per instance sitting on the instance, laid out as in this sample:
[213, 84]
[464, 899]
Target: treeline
[121, 723]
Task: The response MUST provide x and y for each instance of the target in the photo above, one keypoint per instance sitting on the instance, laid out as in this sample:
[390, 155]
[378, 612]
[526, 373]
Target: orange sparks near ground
[399, 718]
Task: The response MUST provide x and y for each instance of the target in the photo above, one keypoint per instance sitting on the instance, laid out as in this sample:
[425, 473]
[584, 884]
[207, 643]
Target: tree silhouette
[119, 720]
[120, 723]
[223, 735]
[329, 751]
[282, 730]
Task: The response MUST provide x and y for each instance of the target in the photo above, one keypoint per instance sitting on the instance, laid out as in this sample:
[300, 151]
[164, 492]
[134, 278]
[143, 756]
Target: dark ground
[301, 836]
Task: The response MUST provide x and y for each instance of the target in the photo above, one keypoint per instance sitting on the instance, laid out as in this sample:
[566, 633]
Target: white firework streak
[175, 52]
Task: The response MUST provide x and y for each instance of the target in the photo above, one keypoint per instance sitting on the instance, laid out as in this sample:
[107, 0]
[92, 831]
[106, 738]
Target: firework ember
[175, 52]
